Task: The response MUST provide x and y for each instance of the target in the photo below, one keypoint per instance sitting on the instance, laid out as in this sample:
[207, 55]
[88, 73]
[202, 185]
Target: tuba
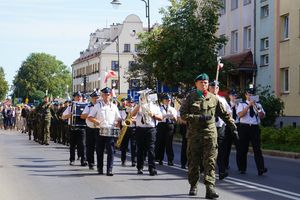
[144, 102]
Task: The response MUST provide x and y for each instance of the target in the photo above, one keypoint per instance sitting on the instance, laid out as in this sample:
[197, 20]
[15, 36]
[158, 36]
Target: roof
[244, 61]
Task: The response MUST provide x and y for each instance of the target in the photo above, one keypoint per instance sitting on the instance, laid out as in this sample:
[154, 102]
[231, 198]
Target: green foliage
[281, 139]
[3, 84]
[183, 46]
[38, 95]
[272, 105]
[41, 72]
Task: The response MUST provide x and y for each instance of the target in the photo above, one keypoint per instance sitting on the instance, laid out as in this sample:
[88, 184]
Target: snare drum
[109, 132]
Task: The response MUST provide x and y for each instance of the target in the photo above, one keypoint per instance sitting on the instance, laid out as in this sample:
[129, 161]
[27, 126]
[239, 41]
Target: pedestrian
[199, 110]
[91, 130]
[77, 129]
[146, 114]
[165, 131]
[250, 113]
[105, 115]
[130, 134]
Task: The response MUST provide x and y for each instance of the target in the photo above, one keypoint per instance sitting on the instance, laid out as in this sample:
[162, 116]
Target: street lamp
[117, 3]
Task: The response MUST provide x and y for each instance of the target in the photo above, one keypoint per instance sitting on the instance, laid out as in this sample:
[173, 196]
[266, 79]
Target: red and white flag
[109, 74]
[220, 65]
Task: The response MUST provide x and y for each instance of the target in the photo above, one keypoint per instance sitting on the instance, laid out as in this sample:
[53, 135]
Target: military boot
[211, 193]
[193, 191]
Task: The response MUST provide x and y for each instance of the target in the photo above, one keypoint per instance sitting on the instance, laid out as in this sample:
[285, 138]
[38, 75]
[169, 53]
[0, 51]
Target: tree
[3, 84]
[183, 46]
[41, 72]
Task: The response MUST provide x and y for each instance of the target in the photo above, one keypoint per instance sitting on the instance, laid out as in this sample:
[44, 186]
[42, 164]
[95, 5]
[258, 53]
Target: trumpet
[127, 123]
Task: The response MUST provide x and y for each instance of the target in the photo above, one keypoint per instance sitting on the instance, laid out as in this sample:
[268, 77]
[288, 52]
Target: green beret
[202, 77]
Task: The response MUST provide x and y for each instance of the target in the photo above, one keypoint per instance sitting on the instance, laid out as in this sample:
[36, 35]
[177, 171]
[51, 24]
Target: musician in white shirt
[106, 117]
[145, 135]
[165, 132]
[91, 130]
[77, 134]
[250, 114]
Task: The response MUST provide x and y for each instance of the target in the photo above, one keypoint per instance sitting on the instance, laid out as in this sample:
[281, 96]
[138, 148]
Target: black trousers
[247, 134]
[230, 139]
[91, 134]
[129, 136]
[109, 144]
[164, 141]
[77, 139]
[182, 131]
[145, 140]
[221, 149]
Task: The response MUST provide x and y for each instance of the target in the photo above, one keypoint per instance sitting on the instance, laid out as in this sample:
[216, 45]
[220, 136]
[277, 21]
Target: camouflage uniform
[200, 111]
[45, 115]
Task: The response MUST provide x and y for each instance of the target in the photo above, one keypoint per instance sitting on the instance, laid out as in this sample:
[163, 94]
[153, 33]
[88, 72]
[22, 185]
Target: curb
[274, 153]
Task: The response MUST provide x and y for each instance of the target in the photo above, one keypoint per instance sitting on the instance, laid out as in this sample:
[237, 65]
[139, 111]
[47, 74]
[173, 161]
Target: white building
[102, 56]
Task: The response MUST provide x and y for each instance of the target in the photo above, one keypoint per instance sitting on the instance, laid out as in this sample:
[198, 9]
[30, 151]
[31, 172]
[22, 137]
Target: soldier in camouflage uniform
[44, 109]
[199, 110]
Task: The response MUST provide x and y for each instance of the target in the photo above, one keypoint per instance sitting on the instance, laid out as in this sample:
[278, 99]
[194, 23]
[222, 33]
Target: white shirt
[224, 103]
[106, 114]
[87, 110]
[155, 110]
[169, 112]
[247, 119]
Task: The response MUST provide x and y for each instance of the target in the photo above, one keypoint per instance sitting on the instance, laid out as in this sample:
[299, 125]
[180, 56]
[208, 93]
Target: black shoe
[140, 171]
[46, 143]
[83, 164]
[133, 164]
[72, 163]
[91, 167]
[152, 172]
[223, 175]
[193, 191]
[100, 171]
[170, 163]
[183, 167]
[109, 173]
[211, 193]
[242, 172]
[123, 164]
[160, 162]
[261, 172]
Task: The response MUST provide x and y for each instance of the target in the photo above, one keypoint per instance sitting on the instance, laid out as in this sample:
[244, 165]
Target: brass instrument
[127, 123]
[144, 103]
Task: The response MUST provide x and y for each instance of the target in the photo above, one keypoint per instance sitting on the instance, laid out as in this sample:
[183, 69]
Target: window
[264, 11]
[137, 48]
[234, 4]
[130, 63]
[134, 83]
[114, 84]
[126, 47]
[223, 8]
[114, 65]
[234, 41]
[264, 43]
[247, 37]
[285, 27]
[285, 80]
[222, 48]
[246, 2]
[264, 60]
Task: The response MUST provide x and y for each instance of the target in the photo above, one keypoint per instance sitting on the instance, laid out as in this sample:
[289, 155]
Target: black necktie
[142, 120]
[166, 109]
[234, 115]
[252, 111]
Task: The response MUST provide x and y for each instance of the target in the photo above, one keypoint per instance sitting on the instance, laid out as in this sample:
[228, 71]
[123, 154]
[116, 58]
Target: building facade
[110, 49]
[269, 31]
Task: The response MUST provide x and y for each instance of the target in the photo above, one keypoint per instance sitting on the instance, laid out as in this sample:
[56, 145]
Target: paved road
[31, 171]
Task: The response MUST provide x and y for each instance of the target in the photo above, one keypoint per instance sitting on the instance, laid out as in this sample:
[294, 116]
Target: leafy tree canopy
[41, 72]
[183, 46]
[3, 84]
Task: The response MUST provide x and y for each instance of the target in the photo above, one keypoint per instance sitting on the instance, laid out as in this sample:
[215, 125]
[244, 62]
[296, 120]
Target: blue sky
[59, 27]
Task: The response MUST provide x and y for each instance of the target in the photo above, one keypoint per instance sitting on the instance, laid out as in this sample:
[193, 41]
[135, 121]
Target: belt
[243, 124]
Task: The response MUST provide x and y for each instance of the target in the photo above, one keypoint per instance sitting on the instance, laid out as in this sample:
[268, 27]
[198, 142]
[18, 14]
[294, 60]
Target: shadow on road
[169, 196]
